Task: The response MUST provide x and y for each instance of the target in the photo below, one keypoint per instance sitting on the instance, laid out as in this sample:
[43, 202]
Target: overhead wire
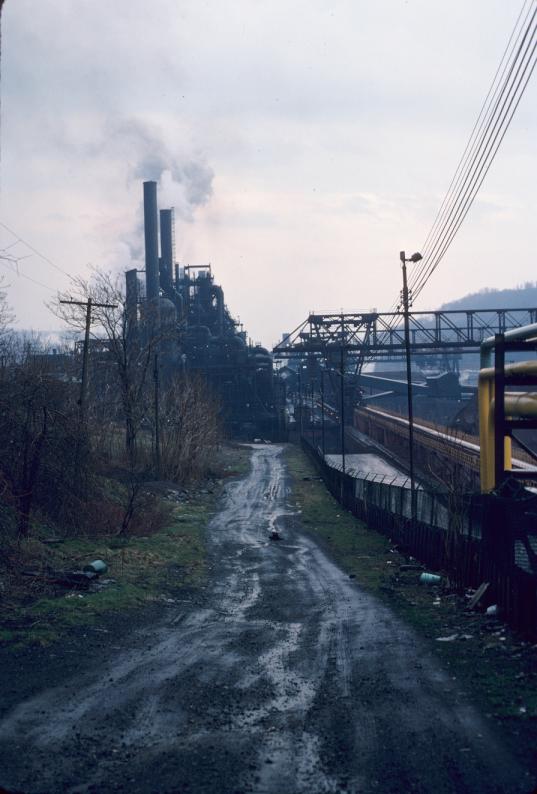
[482, 150]
[456, 203]
[33, 249]
[20, 274]
[474, 135]
[479, 164]
[478, 173]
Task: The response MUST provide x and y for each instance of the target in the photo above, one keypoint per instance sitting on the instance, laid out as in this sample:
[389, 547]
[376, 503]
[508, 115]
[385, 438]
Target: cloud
[302, 143]
[185, 179]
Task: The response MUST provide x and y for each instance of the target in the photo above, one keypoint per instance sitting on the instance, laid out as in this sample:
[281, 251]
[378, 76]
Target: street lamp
[414, 258]
[342, 404]
[300, 402]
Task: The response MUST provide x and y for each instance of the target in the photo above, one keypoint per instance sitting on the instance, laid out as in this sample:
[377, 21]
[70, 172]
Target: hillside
[523, 297]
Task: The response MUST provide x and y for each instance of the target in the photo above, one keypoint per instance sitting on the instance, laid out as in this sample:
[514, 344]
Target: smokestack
[131, 296]
[166, 246]
[151, 241]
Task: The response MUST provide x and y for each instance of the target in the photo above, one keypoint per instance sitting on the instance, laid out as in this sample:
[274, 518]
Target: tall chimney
[166, 246]
[151, 241]
[131, 295]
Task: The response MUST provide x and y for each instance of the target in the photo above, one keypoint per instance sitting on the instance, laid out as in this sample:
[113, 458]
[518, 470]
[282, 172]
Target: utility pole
[300, 401]
[157, 416]
[406, 311]
[83, 398]
[322, 412]
[342, 404]
[89, 305]
[312, 415]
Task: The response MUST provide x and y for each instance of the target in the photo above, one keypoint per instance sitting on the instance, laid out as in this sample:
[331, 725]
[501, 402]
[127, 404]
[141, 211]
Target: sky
[303, 144]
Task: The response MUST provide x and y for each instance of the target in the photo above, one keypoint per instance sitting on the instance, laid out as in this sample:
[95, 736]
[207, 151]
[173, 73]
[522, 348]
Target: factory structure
[184, 309]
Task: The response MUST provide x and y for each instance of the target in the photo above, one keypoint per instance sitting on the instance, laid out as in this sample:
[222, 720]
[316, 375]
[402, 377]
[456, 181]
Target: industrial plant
[183, 307]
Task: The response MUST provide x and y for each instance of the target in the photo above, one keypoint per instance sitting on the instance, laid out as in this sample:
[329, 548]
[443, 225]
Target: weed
[497, 666]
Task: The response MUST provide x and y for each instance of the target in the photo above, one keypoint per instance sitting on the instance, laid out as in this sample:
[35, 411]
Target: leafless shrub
[190, 429]
[38, 433]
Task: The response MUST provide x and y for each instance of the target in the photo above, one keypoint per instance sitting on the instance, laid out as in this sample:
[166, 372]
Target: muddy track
[288, 680]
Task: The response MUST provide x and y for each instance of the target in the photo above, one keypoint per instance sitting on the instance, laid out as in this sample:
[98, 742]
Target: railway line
[459, 449]
[388, 433]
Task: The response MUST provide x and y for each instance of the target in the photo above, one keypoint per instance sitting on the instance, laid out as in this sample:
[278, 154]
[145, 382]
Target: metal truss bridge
[381, 335]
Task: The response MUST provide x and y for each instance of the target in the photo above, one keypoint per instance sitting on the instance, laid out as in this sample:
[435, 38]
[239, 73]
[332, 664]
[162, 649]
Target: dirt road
[288, 680]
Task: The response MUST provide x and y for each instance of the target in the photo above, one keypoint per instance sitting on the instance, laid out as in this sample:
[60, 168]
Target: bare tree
[123, 353]
[190, 429]
[37, 432]
[7, 317]
[126, 354]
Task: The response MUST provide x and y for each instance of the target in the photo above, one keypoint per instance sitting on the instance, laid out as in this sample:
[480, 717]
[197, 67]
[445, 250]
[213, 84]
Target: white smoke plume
[139, 150]
[184, 180]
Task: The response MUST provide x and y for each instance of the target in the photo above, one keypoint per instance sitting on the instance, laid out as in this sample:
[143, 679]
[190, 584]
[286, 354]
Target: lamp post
[406, 303]
[342, 403]
[300, 402]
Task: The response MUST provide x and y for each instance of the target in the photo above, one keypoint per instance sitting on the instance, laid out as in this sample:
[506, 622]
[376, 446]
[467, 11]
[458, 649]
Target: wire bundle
[500, 104]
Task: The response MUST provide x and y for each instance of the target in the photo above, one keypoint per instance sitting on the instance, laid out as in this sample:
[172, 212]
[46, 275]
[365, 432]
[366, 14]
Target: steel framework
[381, 335]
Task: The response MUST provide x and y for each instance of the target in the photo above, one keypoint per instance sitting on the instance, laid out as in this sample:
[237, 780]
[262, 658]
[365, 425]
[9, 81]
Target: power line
[485, 115]
[471, 145]
[19, 274]
[482, 150]
[472, 173]
[476, 158]
[479, 170]
[471, 199]
[34, 250]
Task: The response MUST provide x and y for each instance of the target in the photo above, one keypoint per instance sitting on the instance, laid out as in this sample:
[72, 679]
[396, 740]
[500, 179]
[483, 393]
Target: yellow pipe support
[507, 452]
[486, 432]
[517, 404]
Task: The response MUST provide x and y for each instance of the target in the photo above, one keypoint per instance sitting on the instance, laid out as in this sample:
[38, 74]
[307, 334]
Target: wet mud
[288, 679]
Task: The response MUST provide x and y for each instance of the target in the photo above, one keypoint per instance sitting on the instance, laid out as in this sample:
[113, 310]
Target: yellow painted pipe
[521, 404]
[507, 452]
[517, 404]
[521, 368]
[486, 432]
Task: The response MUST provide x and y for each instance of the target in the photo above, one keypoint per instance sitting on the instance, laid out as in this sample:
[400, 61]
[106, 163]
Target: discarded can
[430, 578]
[97, 566]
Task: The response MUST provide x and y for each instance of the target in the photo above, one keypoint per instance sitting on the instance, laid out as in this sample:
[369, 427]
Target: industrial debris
[478, 595]
[70, 578]
[97, 566]
[430, 578]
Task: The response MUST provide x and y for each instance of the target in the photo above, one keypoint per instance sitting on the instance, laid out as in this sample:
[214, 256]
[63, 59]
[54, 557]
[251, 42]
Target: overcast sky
[303, 144]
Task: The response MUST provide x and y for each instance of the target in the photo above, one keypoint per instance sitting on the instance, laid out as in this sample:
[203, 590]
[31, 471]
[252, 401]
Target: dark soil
[282, 676]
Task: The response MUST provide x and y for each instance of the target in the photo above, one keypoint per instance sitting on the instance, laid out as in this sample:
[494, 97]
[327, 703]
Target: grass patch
[497, 666]
[356, 548]
[236, 459]
[141, 569]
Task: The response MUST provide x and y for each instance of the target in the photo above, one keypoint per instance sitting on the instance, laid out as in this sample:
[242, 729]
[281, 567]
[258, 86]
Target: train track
[440, 439]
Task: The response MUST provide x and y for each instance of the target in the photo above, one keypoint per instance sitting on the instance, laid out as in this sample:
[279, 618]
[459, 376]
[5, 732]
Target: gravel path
[288, 680]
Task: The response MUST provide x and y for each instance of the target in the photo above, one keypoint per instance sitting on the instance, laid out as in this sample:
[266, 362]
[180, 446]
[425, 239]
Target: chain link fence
[472, 537]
